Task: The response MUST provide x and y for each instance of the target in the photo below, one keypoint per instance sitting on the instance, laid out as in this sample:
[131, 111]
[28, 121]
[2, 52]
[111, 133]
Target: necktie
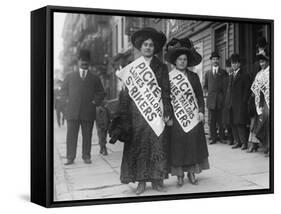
[214, 71]
[83, 74]
[235, 74]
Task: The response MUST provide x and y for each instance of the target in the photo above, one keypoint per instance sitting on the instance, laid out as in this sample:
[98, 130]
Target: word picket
[183, 100]
[145, 92]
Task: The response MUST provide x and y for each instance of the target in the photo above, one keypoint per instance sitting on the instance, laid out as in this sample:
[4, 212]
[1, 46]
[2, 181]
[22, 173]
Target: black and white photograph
[140, 107]
[160, 106]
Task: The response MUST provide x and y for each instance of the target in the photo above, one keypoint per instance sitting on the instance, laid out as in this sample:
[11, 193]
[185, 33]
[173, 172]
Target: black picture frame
[42, 131]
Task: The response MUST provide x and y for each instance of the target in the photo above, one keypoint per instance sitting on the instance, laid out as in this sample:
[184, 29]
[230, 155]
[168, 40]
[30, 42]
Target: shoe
[69, 162]
[158, 185]
[253, 148]
[87, 161]
[244, 146]
[140, 188]
[180, 181]
[104, 152]
[237, 145]
[161, 183]
[220, 140]
[191, 178]
[212, 142]
[101, 150]
[266, 152]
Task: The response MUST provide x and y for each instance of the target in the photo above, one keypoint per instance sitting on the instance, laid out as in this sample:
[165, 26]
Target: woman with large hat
[188, 148]
[145, 155]
[259, 131]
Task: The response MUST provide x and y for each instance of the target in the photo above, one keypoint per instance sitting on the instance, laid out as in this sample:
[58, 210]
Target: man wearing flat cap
[84, 92]
[214, 86]
[236, 100]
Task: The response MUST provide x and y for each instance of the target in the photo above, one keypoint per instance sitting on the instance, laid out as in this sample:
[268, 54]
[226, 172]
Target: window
[221, 43]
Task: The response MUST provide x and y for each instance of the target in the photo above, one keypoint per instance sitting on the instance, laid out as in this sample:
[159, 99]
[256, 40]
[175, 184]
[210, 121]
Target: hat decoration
[177, 47]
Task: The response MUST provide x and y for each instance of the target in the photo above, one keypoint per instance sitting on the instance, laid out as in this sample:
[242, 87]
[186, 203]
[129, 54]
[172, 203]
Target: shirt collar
[235, 72]
[215, 70]
[81, 72]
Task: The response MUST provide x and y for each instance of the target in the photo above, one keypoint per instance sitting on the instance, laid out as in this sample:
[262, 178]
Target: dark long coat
[81, 94]
[213, 85]
[236, 100]
[225, 110]
[145, 155]
[189, 148]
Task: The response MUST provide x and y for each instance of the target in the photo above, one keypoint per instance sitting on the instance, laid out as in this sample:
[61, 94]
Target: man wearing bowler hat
[84, 92]
[236, 101]
[214, 86]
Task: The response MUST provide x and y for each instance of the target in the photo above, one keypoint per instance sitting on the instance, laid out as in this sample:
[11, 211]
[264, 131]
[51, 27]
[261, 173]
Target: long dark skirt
[145, 156]
[187, 149]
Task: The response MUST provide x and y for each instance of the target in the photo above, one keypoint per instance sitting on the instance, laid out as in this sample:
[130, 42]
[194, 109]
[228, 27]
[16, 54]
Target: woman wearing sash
[188, 148]
[260, 91]
[145, 156]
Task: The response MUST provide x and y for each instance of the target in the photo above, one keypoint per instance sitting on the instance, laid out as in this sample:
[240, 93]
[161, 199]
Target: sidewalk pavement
[230, 169]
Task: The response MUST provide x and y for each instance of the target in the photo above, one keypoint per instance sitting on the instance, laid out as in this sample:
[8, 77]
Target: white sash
[261, 84]
[145, 92]
[183, 100]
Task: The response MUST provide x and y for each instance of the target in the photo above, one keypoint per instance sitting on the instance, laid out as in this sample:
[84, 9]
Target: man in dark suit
[236, 101]
[84, 92]
[225, 111]
[214, 86]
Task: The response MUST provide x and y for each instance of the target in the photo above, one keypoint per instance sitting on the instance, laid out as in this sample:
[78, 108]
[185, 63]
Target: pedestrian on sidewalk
[236, 100]
[84, 92]
[253, 141]
[102, 121]
[260, 90]
[214, 86]
[188, 150]
[145, 156]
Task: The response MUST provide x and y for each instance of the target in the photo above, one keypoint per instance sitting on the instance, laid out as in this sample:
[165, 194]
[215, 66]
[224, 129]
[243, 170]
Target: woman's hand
[170, 122]
[201, 117]
[166, 119]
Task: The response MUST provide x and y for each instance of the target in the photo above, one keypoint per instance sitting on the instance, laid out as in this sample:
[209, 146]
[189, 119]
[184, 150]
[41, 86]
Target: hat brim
[158, 37]
[194, 58]
[262, 57]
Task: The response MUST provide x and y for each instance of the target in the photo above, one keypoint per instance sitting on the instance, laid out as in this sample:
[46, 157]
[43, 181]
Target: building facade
[108, 39]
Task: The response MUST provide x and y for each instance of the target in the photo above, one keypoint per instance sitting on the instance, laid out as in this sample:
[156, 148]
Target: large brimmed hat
[158, 38]
[177, 47]
[262, 57]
